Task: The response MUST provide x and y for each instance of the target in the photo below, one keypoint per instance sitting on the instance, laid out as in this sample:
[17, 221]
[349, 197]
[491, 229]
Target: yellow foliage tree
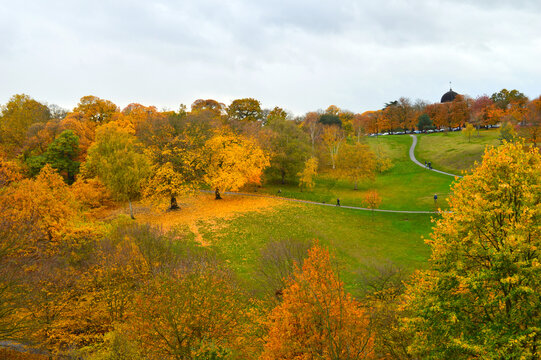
[468, 131]
[317, 319]
[232, 161]
[167, 182]
[333, 137]
[480, 296]
[356, 162]
[306, 176]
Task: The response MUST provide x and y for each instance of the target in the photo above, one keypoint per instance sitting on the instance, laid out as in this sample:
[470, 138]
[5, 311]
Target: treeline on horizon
[73, 284]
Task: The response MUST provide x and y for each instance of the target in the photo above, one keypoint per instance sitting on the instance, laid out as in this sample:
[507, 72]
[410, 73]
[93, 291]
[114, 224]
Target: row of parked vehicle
[427, 131]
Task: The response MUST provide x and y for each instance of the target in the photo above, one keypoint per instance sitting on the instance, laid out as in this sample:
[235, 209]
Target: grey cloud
[301, 55]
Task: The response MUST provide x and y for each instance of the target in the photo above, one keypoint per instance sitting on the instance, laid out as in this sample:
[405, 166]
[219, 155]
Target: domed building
[448, 96]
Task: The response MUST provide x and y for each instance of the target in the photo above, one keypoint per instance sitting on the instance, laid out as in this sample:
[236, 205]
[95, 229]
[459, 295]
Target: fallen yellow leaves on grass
[204, 208]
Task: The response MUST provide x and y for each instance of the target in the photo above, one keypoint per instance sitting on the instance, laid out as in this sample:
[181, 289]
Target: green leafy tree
[330, 119]
[480, 297]
[116, 158]
[504, 98]
[424, 122]
[61, 154]
[289, 149]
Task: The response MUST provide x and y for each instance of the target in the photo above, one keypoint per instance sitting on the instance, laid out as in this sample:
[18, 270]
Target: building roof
[448, 96]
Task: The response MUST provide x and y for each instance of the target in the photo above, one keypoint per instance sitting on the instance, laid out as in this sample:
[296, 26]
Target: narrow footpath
[412, 157]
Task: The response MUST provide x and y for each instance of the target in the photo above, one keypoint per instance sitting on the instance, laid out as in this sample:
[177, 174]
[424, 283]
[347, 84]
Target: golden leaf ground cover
[201, 208]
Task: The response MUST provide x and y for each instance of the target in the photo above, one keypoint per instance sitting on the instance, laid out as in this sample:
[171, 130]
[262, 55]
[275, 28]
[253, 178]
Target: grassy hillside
[453, 152]
[238, 228]
[404, 187]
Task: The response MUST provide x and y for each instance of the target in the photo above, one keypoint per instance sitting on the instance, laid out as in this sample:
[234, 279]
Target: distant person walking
[337, 202]
[435, 199]
[430, 165]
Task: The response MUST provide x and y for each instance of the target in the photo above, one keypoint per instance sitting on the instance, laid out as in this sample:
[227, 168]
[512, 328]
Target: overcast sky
[300, 55]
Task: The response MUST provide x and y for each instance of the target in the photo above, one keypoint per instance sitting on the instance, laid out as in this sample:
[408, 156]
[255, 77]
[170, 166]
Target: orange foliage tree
[317, 318]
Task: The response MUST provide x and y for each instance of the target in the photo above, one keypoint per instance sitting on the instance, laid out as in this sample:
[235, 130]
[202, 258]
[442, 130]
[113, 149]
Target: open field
[239, 227]
[453, 152]
[404, 187]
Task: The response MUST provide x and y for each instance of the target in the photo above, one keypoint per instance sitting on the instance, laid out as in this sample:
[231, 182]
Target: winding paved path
[412, 157]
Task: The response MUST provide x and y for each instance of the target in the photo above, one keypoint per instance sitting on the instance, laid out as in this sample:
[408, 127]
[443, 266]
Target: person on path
[337, 202]
[430, 165]
[435, 199]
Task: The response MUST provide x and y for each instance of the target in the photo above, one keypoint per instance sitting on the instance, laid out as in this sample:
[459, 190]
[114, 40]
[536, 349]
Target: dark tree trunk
[174, 204]
[283, 177]
[217, 193]
[356, 188]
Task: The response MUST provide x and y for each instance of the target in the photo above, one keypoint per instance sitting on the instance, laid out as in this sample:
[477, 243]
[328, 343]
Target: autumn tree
[306, 176]
[358, 123]
[276, 115]
[116, 158]
[166, 182]
[317, 318]
[172, 298]
[213, 106]
[277, 263]
[356, 162]
[372, 200]
[10, 171]
[45, 264]
[231, 161]
[45, 200]
[16, 117]
[384, 283]
[468, 131]
[479, 298]
[312, 126]
[95, 109]
[39, 135]
[505, 98]
[247, 109]
[459, 111]
[479, 112]
[333, 137]
[531, 129]
[507, 132]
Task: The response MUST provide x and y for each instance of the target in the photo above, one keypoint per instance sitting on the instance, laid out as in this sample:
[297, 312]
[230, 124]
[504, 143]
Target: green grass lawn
[453, 152]
[404, 187]
[357, 238]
